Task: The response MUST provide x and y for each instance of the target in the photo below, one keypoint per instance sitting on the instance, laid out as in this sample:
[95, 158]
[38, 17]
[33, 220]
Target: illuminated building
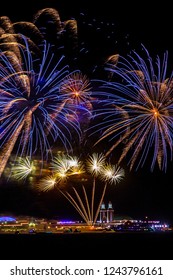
[27, 225]
[106, 214]
[110, 212]
[21, 224]
[11, 225]
[102, 213]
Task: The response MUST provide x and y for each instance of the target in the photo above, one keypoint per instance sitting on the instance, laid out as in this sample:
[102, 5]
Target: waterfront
[94, 245]
[30, 225]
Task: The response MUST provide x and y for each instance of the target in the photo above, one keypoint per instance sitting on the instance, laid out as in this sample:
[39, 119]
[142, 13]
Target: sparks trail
[66, 169]
[137, 110]
[32, 109]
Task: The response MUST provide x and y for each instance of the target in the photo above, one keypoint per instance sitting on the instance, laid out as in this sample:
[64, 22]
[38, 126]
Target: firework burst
[95, 163]
[78, 87]
[22, 169]
[47, 183]
[139, 114]
[32, 110]
[65, 167]
[46, 26]
[112, 173]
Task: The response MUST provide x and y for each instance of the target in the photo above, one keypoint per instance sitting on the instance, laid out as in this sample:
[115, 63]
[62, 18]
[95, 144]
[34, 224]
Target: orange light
[76, 93]
[155, 112]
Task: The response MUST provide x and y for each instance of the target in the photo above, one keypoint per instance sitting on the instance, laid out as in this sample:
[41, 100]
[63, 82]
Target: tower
[106, 215]
[103, 213]
[110, 212]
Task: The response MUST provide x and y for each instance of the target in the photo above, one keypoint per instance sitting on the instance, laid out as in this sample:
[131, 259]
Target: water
[105, 246]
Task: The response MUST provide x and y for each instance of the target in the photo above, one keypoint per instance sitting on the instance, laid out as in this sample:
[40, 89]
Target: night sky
[104, 30]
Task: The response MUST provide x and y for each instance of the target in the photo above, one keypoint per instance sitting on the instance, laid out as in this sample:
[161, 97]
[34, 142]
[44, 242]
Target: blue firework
[138, 111]
[33, 111]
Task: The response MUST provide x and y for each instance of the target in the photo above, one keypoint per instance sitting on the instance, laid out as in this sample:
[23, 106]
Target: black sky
[142, 193]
